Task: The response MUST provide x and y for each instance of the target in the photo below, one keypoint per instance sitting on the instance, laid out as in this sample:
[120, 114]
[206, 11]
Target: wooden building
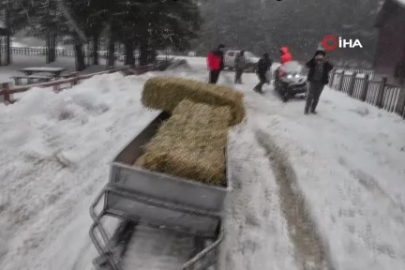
[391, 38]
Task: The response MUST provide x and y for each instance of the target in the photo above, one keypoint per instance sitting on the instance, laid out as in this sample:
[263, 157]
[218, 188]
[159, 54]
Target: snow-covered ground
[23, 61]
[348, 160]
[54, 159]
[345, 169]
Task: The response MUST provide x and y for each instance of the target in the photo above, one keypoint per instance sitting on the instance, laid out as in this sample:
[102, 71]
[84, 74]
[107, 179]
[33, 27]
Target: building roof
[388, 9]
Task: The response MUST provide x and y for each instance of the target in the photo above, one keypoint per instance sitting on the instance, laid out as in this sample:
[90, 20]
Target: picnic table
[31, 79]
[55, 71]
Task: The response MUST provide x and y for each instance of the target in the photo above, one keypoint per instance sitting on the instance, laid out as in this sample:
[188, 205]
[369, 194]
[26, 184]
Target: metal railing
[361, 85]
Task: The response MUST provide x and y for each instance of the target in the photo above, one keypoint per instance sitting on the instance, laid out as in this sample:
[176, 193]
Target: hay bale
[191, 144]
[140, 161]
[165, 93]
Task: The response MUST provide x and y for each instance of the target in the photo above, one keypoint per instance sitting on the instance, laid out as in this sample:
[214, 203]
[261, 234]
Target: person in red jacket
[285, 55]
[215, 62]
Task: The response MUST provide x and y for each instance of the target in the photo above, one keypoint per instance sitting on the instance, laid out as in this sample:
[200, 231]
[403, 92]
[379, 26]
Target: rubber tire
[285, 97]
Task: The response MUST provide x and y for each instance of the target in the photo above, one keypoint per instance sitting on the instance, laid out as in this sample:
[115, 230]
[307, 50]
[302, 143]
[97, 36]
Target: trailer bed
[156, 249]
[166, 222]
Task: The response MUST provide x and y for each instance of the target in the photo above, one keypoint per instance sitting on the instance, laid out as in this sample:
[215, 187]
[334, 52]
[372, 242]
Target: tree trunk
[1, 49]
[96, 40]
[111, 48]
[47, 46]
[53, 47]
[50, 47]
[79, 55]
[152, 55]
[143, 54]
[129, 54]
[111, 53]
[8, 39]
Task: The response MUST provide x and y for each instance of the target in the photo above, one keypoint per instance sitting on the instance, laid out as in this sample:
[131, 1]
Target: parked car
[289, 80]
[251, 60]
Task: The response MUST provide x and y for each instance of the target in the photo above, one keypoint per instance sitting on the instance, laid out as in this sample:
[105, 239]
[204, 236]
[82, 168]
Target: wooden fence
[361, 86]
[7, 91]
[38, 51]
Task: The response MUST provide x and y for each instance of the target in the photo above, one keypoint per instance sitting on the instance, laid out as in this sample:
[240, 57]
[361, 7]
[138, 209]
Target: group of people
[318, 74]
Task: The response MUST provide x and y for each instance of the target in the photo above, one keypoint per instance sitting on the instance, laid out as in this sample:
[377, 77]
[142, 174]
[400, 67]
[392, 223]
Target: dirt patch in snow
[310, 250]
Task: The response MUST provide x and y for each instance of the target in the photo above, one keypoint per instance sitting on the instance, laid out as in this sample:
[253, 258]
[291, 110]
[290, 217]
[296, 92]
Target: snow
[43, 69]
[347, 164]
[257, 234]
[17, 44]
[22, 61]
[171, 250]
[54, 160]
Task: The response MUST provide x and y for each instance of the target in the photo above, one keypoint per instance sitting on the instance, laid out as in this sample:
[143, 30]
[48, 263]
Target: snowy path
[334, 202]
[349, 166]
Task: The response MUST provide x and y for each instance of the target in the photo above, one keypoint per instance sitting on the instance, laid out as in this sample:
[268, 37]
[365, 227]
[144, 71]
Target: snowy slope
[56, 150]
[349, 166]
[54, 158]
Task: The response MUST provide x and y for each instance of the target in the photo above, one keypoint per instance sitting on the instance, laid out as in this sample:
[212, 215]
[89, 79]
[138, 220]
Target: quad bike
[289, 80]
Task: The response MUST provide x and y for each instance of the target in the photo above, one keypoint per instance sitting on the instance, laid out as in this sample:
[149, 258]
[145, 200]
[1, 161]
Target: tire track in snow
[371, 184]
[311, 252]
[256, 230]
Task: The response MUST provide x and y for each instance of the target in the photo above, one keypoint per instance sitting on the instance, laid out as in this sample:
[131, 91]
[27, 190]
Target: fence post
[352, 82]
[363, 96]
[6, 88]
[381, 90]
[75, 79]
[332, 78]
[400, 108]
[340, 85]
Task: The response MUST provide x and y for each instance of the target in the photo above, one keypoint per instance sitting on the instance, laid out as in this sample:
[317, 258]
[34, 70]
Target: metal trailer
[144, 199]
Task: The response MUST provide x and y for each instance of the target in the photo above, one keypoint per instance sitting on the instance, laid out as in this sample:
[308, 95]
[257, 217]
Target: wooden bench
[30, 79]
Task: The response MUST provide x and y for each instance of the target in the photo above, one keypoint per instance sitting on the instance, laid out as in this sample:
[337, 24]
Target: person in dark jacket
[215, 62]
[240, 65]
[318, 76]
[263, 67]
